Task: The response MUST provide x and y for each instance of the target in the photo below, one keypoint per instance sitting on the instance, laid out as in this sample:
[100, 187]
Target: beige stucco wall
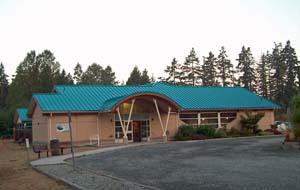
[155, 127]
[107, 127]
[263, 124]
[83, 126]
[39, 126]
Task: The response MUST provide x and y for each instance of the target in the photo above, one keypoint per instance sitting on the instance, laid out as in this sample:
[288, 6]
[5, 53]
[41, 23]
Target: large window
[119, 132]
[145, 129]
[227, 117]
[215, 119]
[210, 119]
[189, 118]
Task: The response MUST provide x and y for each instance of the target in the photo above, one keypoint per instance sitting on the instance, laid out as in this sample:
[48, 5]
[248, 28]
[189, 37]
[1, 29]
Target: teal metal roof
[100, 98]
[22, 113]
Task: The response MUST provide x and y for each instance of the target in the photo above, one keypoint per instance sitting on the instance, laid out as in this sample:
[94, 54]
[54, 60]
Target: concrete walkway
[61, 159]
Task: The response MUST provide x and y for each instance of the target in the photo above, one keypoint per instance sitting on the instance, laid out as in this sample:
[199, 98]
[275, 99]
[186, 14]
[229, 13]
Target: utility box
[55, 147]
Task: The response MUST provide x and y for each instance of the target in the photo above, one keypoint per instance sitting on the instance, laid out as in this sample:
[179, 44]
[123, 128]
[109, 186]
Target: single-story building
[23, 125]
[139, 113]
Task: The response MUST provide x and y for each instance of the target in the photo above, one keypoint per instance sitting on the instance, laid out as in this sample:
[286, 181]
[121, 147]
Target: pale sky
[146, 33]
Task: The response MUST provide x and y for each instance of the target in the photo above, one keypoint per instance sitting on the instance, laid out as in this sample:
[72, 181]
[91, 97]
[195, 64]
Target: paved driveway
[256, 163]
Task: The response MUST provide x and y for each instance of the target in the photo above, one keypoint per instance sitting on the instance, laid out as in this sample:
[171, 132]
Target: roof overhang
[147, 96]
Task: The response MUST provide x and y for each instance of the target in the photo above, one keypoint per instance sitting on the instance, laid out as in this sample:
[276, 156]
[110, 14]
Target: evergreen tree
[152, 79]
[49, 68]
[173, 72]
[108, 76]
[135, 77]
[63, 78]
[246, 69]
[3, 86]
[77, 73]
[92, 75]
[225, 72]
[191, 70]
[145, 79]
[278, 76]
[209, 71]
[290, 60]
[263, 68]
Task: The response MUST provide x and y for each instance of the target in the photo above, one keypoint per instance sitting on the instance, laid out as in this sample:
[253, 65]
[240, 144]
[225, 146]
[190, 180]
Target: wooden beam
[167, 122]
[120, 118]
[129, 117]
[158, 113]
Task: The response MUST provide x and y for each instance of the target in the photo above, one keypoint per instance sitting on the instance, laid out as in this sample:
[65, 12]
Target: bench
[39, 147]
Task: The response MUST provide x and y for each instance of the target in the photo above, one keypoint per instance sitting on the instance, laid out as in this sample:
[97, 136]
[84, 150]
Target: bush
[274, 126]
[206, 130]
[198, 137]
[249, 122]
[233, 132]
[245, 133]
[296, 131]
[265, 133]
[185, 132]
[220, 133]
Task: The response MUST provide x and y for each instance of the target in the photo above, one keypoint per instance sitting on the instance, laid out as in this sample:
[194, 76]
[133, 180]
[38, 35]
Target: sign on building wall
[63, 127]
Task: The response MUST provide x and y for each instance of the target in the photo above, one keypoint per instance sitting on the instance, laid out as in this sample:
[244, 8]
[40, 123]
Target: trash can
[54, 146]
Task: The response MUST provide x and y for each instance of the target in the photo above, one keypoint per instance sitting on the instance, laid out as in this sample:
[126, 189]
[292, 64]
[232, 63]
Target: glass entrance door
[119, 132]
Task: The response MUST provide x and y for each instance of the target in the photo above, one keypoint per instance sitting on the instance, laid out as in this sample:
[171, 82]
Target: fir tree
[92, 75]
[278, 77]
[245, 66]
[191, 69]
[135, 77]
[77, 73]
[225, 72]
[173, 72]
[209, 71]
[145, 79]
[3, 86]
[290, 59]
[108, 76]
[263, 68]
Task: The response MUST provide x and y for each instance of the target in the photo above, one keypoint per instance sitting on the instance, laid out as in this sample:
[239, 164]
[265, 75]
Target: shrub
[249, 122]
[246, 132]
[264, 133]
[220, 133]
[296, 131]
[295, 110]
[198, 137]
[206, 130]
[233, 132]
[185, 132]
[274, 126]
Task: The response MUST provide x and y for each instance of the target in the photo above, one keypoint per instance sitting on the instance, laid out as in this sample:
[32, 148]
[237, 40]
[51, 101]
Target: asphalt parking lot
[255, 163]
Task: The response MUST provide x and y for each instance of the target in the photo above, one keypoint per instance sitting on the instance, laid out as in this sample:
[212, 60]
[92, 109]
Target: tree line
[275, 76]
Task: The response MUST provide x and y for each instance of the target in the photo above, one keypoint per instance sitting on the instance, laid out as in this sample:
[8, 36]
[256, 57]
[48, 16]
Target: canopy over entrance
[159, 102]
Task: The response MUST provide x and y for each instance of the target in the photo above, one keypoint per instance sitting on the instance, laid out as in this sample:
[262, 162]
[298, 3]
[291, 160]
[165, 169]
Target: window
[145, 129]
[119, 132]
[210, 119]
[227, 117]
[189, 118]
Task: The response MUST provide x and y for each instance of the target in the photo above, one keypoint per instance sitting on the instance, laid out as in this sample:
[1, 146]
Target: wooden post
[71, 137]
[164, 128]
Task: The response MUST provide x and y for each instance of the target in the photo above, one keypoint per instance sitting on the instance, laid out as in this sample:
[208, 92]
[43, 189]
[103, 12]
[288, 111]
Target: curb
[229, 138]
[66, 182]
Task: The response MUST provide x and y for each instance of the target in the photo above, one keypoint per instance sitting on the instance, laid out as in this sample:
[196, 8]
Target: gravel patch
[84, 179]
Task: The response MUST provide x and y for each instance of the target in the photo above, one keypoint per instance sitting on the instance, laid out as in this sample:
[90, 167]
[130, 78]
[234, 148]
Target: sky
[146, 33]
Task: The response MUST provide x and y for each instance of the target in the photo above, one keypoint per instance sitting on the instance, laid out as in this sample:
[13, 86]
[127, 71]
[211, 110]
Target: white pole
[71, 137]
[161, 124]
[129, 117]
[167, 122]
